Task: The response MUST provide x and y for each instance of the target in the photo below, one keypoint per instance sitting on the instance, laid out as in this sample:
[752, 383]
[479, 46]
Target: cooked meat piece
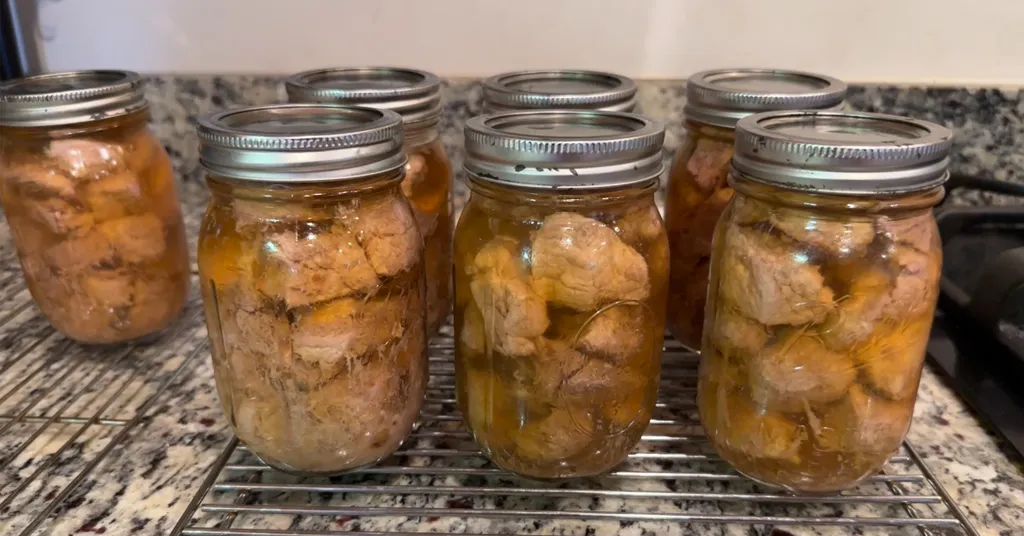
[251, 328]
[513, 314]
[387, 231]
[581, 263]
[797, 370]
[37, 182]
[259, 420]
[91, 250]
[135, 239]
[769, 280]
[337, 334]
[60, 216]
[555, 363]
[639, 225]
[615, 332]
[890, 362]
[111, 291]
[303, 268]
[861, 423]
[709, 163]
[471, 332]
[837, 237]
[694, 242]
[560, 435]
[740, 425]
[415, 173]
[856, 314]
[83, 159]
[686, 305]
[917, 282]
[155, 301]
[271, 214]
[115, 196]
[737, 336]
[437, 256]
[918, 231]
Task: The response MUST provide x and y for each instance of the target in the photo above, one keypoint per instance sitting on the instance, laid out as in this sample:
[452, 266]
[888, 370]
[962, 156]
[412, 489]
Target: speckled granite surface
[143, 485]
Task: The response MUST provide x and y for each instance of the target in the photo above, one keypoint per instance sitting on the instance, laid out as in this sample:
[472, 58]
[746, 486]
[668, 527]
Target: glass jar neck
[705, 130]
[226, 189]
[508, 195]
[421, 133]
[826, 202]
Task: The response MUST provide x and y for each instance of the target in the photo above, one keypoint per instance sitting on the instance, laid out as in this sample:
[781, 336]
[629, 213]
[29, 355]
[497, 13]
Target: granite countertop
[144, 484]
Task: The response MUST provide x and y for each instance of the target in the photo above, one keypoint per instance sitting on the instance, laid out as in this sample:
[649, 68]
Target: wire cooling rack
[438, 482]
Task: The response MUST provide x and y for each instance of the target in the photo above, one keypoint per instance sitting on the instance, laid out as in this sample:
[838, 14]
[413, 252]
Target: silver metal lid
[69, 98]
[415, 95]
[562, 88]
[724, 96]
[851, 153]
[301, 142]
[564, 149]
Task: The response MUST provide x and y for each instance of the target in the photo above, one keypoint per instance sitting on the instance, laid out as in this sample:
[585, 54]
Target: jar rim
[67, 98]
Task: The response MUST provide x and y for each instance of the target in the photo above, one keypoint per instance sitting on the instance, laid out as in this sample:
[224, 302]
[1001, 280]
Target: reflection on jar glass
[416, 96]
[561, 268]
[92, 205]
[822, 292]
[697, 191]
[312, 279]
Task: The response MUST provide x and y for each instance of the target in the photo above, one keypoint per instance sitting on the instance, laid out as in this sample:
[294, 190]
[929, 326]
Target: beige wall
[906, 41]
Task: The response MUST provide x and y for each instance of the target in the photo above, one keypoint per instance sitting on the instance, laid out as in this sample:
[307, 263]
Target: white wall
[979, 42]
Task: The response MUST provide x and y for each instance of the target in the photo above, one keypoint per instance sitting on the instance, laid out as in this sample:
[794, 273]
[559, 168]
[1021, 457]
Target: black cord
[958, 181]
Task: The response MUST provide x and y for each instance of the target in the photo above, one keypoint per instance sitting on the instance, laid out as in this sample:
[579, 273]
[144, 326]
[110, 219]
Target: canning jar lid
[724, 96]
[564, 149]
[847, 153]
[68, 98]
[301, 142]
[560, 88]
[413, 94]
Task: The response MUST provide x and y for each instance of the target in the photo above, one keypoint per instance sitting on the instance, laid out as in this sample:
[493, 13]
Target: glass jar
[312, 282]
[559, 89]
[561, 268]
[90, 198]
[824, 280]
[697, 191]
[416, 96]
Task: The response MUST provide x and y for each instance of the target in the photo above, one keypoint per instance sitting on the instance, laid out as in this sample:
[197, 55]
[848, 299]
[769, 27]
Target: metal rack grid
[438, 482]
[66, 408]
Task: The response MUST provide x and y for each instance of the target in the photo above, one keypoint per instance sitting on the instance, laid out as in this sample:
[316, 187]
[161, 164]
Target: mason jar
[90, 198]
[559, 89]
[416, 96]
[312, 281]
[561, 267]
[697, 191]
[824, 279]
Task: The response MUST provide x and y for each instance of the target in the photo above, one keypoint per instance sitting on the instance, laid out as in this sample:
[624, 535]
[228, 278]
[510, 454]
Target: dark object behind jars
[416, 96]
[697, 191]
[560, 276]
[823, 284]
[312, 281]
[90, 196]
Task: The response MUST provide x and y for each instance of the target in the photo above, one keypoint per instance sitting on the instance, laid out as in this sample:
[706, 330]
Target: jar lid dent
[70, 97]
[301, 142]
[850, 153]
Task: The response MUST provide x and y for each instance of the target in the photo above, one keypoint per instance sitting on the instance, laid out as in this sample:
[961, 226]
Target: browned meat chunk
[305, 268]
[83, 159]
[387, 231]
[770, 281]
[917, 283]
[616, 332]
[737, 336]
[740, 425]
[709, 163]
[114, 196]
[92, 250]
[918, 231]
[513, 314]
[37, 182]
[890, 362]
[699, 226]
[555, 363]
[857, 313]
[640, 225]
[560, 435]
[269, 214]
[798, 370]
[347, 329]
[415, 173]
[581, 263]
[860, 423]
[836, 237]
[135, 239]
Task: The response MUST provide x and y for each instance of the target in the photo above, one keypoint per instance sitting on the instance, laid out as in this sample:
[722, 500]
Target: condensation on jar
[697, 191]
[822, 291]
[311, 269]
[561, 272]
[416, 96]
[559, 89]
[90, 196]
